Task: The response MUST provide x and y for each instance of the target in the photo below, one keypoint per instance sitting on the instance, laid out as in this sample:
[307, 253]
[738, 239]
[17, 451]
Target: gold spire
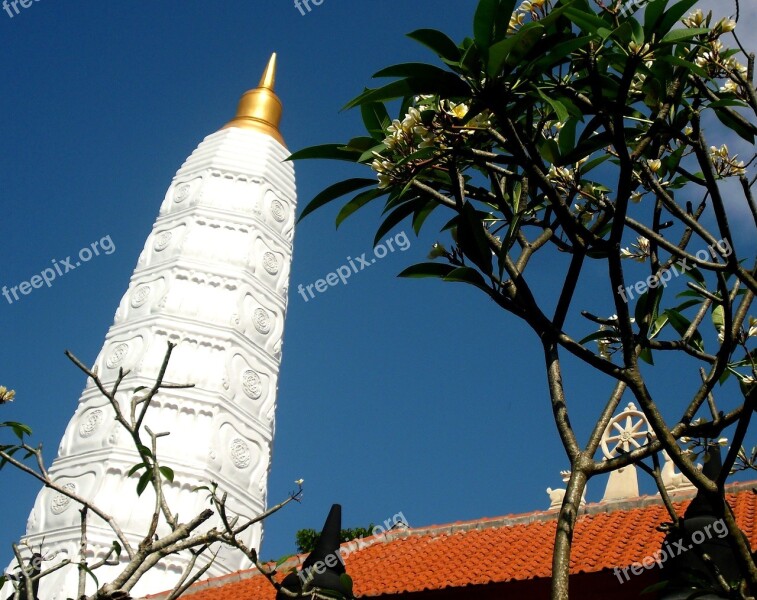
[260, 109]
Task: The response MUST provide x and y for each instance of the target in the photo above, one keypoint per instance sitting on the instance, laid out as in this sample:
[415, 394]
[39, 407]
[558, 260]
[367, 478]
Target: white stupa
[212, 279]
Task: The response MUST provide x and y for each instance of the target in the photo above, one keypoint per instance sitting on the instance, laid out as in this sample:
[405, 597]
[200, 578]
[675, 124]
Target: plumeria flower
[636, 197]
[603, 347]
[640, 49]
[729, 87]
[640, 254]
[694, 20]
[726, 165]
[752, 327]
[654, 164]
[516, 20]
[412, 118]
[6, 395]
[725, 25]
[299, 481]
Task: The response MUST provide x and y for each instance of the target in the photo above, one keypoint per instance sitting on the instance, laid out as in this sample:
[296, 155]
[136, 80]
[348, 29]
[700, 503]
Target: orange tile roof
[493, 550]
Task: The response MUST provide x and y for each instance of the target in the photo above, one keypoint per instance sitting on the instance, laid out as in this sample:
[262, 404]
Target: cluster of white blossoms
[697, 19]
[641, 252]
[607, 346]
[432, 123]
[724, 164]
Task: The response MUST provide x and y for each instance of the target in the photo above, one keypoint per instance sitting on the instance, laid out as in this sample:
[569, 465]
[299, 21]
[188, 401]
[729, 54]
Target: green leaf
[357, 202]
[420, 70]
[483, 23]
[682, 34]
[468, 275]
[396, 217]
[746, 131]
[646, 356]
[437, 41]
[447, 84]
[594, 162]
[511, 51]
[680, 62]
[472, 240]
[143, 482]
[557, 106]
[422, 270]
[567, 139]
[167, 472]
[136, 468]
[681, 325]
[420, 216]
[326, 151]
[586, 20]
[606, 334]
[144, 451]
[91, 573]
[335, 191]
[19, 429]
[653, 14]
[561, 51]
[673, 15]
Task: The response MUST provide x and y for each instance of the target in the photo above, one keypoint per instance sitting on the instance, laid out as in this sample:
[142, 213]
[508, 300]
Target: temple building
[508, 557]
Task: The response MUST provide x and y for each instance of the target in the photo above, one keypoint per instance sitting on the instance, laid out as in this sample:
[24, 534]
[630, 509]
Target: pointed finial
[269, 76]
[260, 109]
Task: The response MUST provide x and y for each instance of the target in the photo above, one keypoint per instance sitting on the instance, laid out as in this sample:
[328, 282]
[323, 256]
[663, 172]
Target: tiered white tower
[212, 279]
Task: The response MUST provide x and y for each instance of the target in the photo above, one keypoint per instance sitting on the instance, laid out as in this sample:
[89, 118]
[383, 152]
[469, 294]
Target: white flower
[729, 87]
[6, 395]
[725, 25]
[721, 334]
[695, 19]
[654, 164]
[299, 481]
[412, 118]
[603, 346]
[636, 197]
[723, 442]
[752, 327]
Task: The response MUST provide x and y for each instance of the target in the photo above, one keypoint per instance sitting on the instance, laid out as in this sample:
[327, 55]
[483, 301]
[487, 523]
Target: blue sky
[395, 395]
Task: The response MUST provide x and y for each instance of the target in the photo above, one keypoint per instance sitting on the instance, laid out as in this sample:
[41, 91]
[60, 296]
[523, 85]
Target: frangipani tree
[575, 134]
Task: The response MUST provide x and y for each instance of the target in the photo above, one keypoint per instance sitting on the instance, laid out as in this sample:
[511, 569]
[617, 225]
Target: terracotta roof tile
[497, 550]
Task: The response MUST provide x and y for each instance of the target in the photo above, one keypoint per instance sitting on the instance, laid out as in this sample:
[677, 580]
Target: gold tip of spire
[260, 109]
[269, 76]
